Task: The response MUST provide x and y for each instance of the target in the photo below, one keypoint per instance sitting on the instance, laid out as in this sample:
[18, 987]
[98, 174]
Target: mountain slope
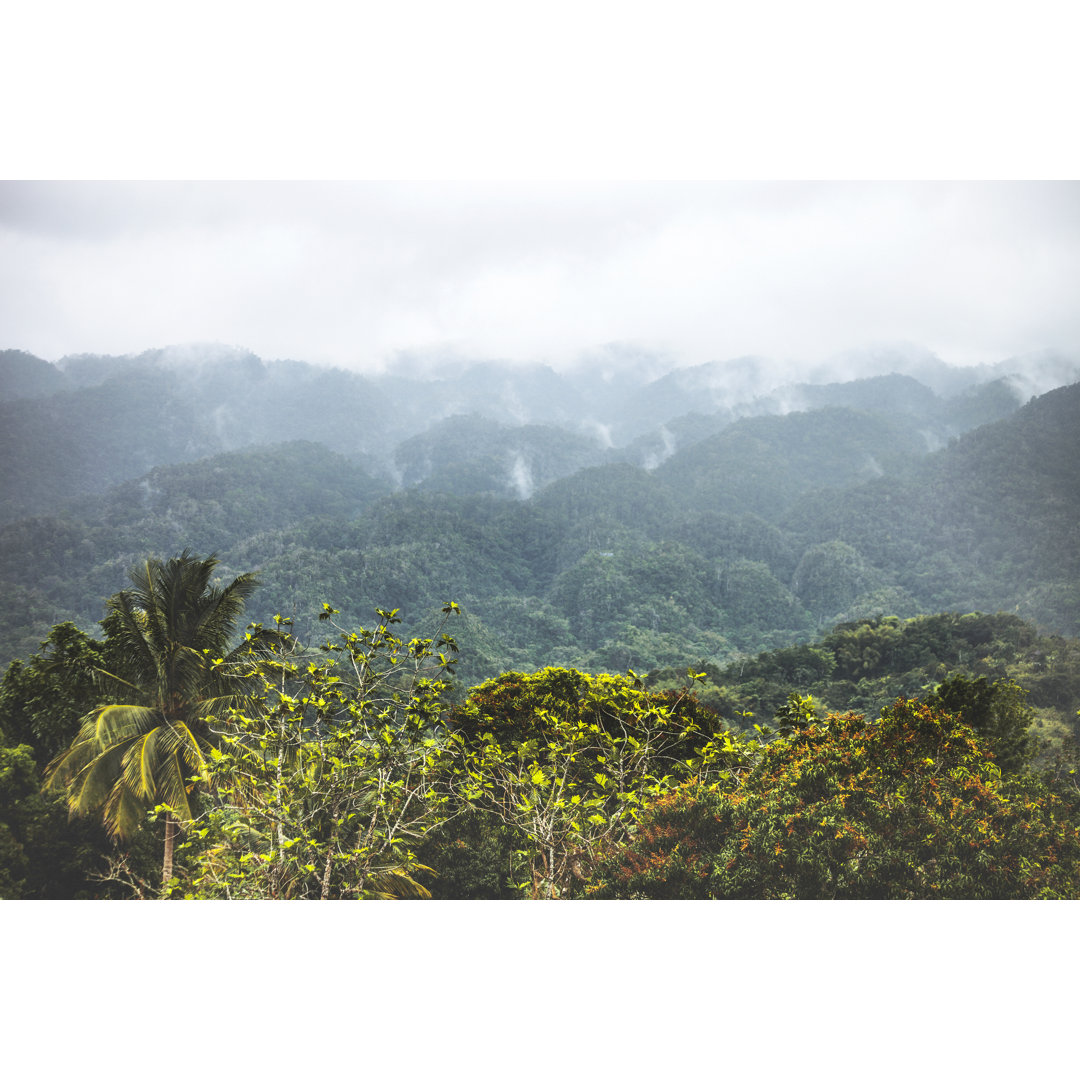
[713, 536]
[992, 521]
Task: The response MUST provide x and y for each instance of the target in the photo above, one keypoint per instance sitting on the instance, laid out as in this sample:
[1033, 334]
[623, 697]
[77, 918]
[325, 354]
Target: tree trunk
[170, 843]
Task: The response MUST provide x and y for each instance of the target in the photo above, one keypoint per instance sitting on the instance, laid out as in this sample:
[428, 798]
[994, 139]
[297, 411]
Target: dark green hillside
[996, 476]
[153, 411]
[217, 499]
[730, 536]
[613, 566]
[472, 455]
[741, 535]
[761, 465]
[82, 441]
[25, 376]
[411, 551]
[866, 665]
[992, 522]
[62, 567]
[604, 508]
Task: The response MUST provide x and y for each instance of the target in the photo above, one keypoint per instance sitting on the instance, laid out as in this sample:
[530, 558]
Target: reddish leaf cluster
[908, 806]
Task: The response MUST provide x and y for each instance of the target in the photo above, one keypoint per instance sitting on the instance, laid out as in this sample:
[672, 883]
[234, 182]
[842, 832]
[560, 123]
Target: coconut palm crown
[174, 629]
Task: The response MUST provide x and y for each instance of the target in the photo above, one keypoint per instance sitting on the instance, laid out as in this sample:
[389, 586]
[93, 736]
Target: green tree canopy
[997, 711]
[906, 807]
[43, 699]
[173, 631]
[565, 760]
[325, 788]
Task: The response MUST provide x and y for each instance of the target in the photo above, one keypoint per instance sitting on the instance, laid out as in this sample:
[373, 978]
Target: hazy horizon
[364, 275]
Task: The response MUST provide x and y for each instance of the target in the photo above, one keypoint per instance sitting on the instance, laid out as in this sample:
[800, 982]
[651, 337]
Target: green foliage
[472, 856]
[997, 711]
[43, 700]
[507, 707]
[797, 713]
[349, 773]
[565, 760]
[325, 789]
[866, 664]
[42, 857]
[171, 634]
[907, 807]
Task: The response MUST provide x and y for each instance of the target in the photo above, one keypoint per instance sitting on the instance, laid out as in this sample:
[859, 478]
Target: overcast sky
[350, 273]
[493, 253]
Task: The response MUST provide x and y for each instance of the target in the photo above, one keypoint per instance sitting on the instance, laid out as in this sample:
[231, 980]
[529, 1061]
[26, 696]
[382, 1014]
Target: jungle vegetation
[266, 768]
[635, 640]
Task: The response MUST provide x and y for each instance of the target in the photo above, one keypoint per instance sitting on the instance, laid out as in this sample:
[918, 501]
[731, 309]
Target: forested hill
[868, 664]
[700, 538]
[93, 421]
[989, 523]
[903, 545]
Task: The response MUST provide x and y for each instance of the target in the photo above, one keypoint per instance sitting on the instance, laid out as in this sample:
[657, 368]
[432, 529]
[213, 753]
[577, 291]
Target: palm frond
[68, 763]
[170, 626]
[396, 885]
[171, 785]
[118, 723]
[128, 630]
[91, 789]
[217, 622]
[140, 764]
[179, 738]
[125, 813]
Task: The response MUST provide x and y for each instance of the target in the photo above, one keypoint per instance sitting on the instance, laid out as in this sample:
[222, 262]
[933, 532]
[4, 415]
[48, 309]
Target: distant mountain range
[613, 514]
[91, 421]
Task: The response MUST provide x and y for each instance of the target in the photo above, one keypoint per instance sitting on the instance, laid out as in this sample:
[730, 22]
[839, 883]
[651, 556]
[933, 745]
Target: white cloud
[350, 273]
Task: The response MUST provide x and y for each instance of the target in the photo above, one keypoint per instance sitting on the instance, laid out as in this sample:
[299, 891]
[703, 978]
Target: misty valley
[479, 630]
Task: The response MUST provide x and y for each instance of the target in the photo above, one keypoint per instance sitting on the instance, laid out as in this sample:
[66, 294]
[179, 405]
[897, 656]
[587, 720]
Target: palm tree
[175, 630]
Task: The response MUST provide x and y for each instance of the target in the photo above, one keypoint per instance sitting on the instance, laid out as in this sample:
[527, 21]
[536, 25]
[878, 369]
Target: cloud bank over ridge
[354, 274]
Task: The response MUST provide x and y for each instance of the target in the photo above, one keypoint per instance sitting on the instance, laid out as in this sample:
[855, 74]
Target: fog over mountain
[818, 277]
[91, 420]
[542, 395]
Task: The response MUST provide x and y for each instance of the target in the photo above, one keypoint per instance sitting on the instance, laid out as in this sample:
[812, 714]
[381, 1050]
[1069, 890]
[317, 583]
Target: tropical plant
[997, 711]
[325, 790]
[910, 806]
[565, 760]
[43, 698]
[174, 629]
[43, 855]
